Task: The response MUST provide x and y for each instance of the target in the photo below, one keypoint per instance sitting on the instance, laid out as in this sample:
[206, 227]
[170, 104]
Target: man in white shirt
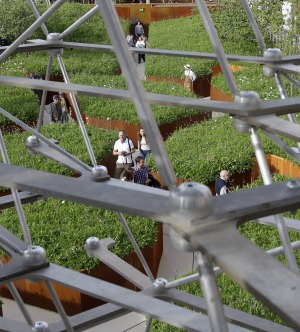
[123, 148]
[189, 78]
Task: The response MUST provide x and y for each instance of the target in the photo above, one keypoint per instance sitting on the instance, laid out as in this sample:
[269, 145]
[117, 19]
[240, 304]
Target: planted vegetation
[199, 152]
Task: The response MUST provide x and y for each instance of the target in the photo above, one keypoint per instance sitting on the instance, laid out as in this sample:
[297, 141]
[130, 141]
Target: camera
[124, 153]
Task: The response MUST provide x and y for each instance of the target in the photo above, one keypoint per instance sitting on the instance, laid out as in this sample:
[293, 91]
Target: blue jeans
[145, 153]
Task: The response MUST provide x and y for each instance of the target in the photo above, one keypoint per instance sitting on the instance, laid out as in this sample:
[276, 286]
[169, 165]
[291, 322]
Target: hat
[55, 97]
[187, 66]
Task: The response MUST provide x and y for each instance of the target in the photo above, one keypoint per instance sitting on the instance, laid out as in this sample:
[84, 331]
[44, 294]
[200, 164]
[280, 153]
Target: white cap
[187, 66]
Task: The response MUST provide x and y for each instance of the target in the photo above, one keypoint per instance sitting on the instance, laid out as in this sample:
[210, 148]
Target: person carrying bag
[123, 148]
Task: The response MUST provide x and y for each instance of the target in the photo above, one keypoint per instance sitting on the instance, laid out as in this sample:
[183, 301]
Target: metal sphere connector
[269, 72]
[241, 126]
[273, 54]
[92, 242]
[191, 200]
[159, 285]
[40, 326]
[99, 172]
[34, 256]
[32, 141]
[247, 100]
[179, 242]
[53, 37]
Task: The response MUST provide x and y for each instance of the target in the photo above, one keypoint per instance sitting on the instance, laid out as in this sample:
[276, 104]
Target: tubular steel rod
[286, 148]
[283, 95]
[11, 245]
[10, 50]
[60, 309]
[77, 112]
[37, 16]
[254, 25]
[15, 194]
[194, 277]
[79, 22]
[211, 294]
[149, 323]
[136, 247]
[266, 175]
[217, 46]
[16, 296]
[44, 139]
[110, 18]
[44, 96]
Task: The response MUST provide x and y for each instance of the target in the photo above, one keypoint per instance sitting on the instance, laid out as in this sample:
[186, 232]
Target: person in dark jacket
[222, 183]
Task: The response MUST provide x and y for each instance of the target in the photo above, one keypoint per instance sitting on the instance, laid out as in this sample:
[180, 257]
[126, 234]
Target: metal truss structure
[199, 222]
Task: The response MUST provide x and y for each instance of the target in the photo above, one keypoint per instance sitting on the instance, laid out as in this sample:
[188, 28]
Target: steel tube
[266, 175]
[79, 22]
[136, 247]
[44, 139]
[110, 18]
[283, 95]
[37, 24]
[254, 25]
[211, 294]
[37, 16]
[44, 96]
[77, 112]
[16, 197]
[59, 306]
[230, 80]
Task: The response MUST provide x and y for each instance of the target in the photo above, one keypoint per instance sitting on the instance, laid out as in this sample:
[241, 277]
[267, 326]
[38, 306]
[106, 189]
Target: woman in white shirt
[143, 145]
[140, 44]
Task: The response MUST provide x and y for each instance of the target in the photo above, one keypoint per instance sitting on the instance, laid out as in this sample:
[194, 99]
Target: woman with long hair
[143, 145]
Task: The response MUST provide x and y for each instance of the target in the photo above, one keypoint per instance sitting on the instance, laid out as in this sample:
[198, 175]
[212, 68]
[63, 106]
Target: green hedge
[70, 139]
[186, 34]
[92, 31]
[200, 152]
[124, 110]
[19, 102]
[250, 77]
[62, 228]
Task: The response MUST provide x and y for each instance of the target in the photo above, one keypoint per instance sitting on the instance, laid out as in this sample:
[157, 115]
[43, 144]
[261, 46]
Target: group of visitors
[139, 40]
[126, 170]
[139, 172]
[60, 109]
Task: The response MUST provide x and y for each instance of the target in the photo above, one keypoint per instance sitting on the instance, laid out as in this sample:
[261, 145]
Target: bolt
[92, 242]
[293, 184]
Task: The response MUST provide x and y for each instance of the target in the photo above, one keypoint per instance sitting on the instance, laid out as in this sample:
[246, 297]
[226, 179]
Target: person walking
[55, 109]
[139, 29]
[222, 183]
[189, 78]
[65, 105]
[143, 145]
[123, 148]
[34, 76]
[141, 171]
[140, 44]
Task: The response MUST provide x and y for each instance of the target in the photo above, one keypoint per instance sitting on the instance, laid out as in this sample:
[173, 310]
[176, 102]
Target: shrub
[251, 77]
[70, 139]
[62, 228]
[198, 153]
[187, 34]
[125, 110]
